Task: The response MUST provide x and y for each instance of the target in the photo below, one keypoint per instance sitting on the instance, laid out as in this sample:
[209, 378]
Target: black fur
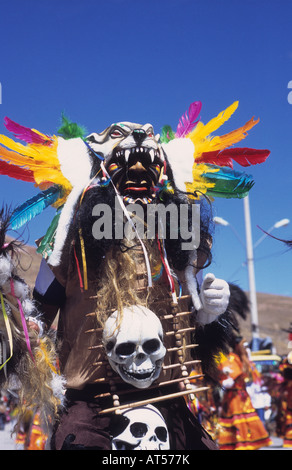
[96, 249]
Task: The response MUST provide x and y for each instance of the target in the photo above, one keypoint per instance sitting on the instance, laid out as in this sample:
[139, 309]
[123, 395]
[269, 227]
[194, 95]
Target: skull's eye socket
[109, 346]
[151, 346]
[161, 433]
[138, 429]
[126, 349]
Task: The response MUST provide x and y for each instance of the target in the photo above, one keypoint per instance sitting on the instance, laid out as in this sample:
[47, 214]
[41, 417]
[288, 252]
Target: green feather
[167, 134]
[47, 243]
[71, 130]
[228, 183]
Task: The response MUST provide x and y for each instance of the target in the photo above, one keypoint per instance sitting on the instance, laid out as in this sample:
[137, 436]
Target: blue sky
[102, 61]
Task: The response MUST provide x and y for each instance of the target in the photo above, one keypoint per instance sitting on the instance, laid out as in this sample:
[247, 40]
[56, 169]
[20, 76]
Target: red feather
[242, 156]
[16, 172]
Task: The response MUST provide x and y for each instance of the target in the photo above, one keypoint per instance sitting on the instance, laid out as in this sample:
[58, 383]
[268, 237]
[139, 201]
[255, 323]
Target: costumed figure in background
[132, 230]
[240, 426]
[206, 404]
[27, 362]
[285, 411]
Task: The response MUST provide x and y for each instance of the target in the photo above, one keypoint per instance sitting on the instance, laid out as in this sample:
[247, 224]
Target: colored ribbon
[8, 329]
[167, 269]
[133, 226]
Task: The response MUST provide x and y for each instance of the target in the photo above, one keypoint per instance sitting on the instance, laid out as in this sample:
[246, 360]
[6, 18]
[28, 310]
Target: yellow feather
[16, 147]
[199, 183]
[15, 158]
[201, 131]
[219, 143]
[204, 142]
[41, 159]
[53, 175]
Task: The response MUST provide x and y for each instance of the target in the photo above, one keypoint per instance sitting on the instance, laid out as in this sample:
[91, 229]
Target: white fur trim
[58, 385]
[76, 167]
[6, 268]
[63, 225]
[180, 154]
[21, 290]
[74, 160]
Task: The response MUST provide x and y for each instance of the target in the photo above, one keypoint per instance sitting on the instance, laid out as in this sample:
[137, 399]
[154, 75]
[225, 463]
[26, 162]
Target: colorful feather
[34, 206]
[31, 136]
[46, 245]
[42, 160]
[233, 137]
[243, 156]
[201, 131]
[228, 183]
[71, 130]
[188, 120]
[16, 172]
[204, 142]
[166, 134]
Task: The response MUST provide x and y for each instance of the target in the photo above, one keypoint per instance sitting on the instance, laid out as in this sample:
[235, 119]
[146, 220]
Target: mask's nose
[139, 135]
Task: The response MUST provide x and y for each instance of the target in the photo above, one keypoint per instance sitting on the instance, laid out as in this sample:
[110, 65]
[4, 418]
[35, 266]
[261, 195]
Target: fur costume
[28, 364]
[133, 228]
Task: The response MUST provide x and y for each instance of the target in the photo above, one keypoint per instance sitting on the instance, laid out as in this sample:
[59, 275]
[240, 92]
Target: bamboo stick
[160, 384]
[153, 400]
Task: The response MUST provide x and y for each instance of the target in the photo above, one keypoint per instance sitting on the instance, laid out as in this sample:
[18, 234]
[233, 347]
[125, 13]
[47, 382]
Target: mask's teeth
[127, 154]
[152, 154]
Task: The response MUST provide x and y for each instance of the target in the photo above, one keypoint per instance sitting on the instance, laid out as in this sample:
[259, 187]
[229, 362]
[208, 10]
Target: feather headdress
[60, 166]
[203, 162]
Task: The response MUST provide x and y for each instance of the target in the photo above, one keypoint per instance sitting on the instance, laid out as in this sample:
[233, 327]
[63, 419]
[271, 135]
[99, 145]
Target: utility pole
[251, 276]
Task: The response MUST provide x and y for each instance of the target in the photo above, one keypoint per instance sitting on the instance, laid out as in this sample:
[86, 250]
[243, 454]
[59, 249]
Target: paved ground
[7, 442]
[277, 445]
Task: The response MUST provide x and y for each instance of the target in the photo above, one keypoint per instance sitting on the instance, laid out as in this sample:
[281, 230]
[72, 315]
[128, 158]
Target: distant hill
[275, 312]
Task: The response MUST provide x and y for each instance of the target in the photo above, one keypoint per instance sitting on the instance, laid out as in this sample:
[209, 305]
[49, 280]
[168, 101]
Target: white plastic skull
[143, 429]
[134, 346]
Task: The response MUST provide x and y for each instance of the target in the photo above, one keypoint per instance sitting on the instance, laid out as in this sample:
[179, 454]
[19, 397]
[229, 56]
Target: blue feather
[34, 206]
[228, 183]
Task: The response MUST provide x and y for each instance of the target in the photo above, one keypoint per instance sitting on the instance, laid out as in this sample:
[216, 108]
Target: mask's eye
[116, 133]
[150, 132]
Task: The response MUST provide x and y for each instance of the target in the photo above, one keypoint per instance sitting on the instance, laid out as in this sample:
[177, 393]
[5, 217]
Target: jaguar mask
[133, 158]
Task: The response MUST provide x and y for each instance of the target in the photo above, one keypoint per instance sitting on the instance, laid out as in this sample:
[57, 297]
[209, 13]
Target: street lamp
[250, 264]
[251, 278]
[225, 223]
